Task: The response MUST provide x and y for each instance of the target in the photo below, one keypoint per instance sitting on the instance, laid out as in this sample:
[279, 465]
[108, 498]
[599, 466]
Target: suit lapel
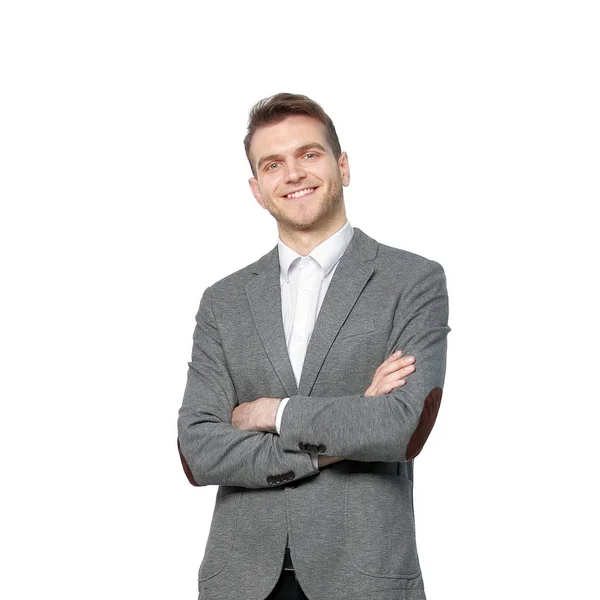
[346, 285]
[264, 294]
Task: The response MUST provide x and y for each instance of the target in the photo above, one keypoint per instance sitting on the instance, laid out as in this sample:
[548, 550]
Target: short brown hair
[275, 109]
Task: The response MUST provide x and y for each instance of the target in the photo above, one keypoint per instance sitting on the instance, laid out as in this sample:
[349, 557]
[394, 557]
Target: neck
[304, 241]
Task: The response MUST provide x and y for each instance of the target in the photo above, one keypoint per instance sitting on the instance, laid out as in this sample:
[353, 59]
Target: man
[299, 403]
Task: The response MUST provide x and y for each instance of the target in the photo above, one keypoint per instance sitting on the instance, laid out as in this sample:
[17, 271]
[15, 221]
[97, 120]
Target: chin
[307, 223]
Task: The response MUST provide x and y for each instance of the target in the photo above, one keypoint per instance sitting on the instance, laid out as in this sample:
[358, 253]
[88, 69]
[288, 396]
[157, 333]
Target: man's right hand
[390, 374]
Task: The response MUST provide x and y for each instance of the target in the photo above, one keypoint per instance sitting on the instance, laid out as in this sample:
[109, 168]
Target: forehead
[291, 133]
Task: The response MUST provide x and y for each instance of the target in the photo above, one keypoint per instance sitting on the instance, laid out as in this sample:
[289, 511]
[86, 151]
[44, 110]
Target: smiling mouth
[300, 193]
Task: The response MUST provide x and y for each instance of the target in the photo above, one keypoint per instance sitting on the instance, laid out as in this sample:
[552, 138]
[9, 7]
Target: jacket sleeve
[391, 427]
[212, 451]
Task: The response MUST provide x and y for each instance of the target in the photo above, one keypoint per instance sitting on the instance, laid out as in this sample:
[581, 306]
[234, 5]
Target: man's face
[294, 157]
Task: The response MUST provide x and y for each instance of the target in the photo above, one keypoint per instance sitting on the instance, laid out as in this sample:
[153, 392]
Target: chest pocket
[357, 326]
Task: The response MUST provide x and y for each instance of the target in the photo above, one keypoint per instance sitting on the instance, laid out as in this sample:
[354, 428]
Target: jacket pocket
[380, 527]
[222, 532]
[357, 326]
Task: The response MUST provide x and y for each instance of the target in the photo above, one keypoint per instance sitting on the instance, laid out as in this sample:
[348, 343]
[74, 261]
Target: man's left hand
[258, 415]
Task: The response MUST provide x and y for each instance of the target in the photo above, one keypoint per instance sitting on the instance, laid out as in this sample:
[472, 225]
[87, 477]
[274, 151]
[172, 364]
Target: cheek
[271, 186]
[327, 174]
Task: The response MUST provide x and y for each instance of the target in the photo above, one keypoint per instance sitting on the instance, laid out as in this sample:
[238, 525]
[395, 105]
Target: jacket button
[273, 479]
[322, 448]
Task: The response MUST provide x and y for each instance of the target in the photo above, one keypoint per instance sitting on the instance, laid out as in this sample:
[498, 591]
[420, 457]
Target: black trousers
[287, 588]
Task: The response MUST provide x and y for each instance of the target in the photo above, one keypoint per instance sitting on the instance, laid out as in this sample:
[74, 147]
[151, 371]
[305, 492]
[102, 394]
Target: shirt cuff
[279, 414]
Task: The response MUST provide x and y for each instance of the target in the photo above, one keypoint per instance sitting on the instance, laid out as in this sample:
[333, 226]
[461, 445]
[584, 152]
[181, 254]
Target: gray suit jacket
[350, 525]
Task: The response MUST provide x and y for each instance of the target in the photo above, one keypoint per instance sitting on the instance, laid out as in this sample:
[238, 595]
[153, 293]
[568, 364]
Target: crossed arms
[260, 414]
[386, 423]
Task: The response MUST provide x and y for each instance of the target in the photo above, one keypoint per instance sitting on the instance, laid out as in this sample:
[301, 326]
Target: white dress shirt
[304, 282]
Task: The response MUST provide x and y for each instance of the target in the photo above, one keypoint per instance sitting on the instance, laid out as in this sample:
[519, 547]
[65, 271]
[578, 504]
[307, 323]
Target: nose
[294, 171]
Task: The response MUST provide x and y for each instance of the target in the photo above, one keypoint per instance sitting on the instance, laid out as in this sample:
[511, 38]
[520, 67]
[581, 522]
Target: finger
[407, 370]
[403, 364]
[395, 385]
[392, 357]
[389, 366]
[399, 385]
[396, 378]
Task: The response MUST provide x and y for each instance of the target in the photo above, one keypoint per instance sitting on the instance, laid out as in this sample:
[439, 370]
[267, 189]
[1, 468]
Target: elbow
[192, 478]
[411, 428]
[421, 428]
[191, 442]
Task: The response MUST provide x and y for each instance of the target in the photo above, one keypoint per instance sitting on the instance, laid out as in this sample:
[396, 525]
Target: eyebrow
[300, 150]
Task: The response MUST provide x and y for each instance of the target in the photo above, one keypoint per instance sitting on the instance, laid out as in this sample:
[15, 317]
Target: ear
[255, 187]
[344, 168]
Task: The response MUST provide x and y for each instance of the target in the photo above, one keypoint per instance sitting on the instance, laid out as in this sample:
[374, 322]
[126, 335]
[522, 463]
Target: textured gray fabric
[350, 525]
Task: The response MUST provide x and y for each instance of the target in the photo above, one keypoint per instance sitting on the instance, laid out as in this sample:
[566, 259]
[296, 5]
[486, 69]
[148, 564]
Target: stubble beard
[329, 206]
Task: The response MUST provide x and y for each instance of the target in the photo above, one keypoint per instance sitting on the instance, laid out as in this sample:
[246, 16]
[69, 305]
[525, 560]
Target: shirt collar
[327, 253]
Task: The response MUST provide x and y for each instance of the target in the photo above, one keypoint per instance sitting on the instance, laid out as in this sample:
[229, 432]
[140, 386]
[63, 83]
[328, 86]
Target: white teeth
[300, 193]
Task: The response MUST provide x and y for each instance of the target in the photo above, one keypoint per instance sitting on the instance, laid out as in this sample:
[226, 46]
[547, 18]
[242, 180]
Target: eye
[310, 155]
[272, 166]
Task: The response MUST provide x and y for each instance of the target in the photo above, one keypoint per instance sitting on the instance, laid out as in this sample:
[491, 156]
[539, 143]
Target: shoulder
[400, 262]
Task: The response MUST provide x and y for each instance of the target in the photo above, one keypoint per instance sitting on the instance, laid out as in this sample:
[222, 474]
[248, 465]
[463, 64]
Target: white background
[473, 134]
